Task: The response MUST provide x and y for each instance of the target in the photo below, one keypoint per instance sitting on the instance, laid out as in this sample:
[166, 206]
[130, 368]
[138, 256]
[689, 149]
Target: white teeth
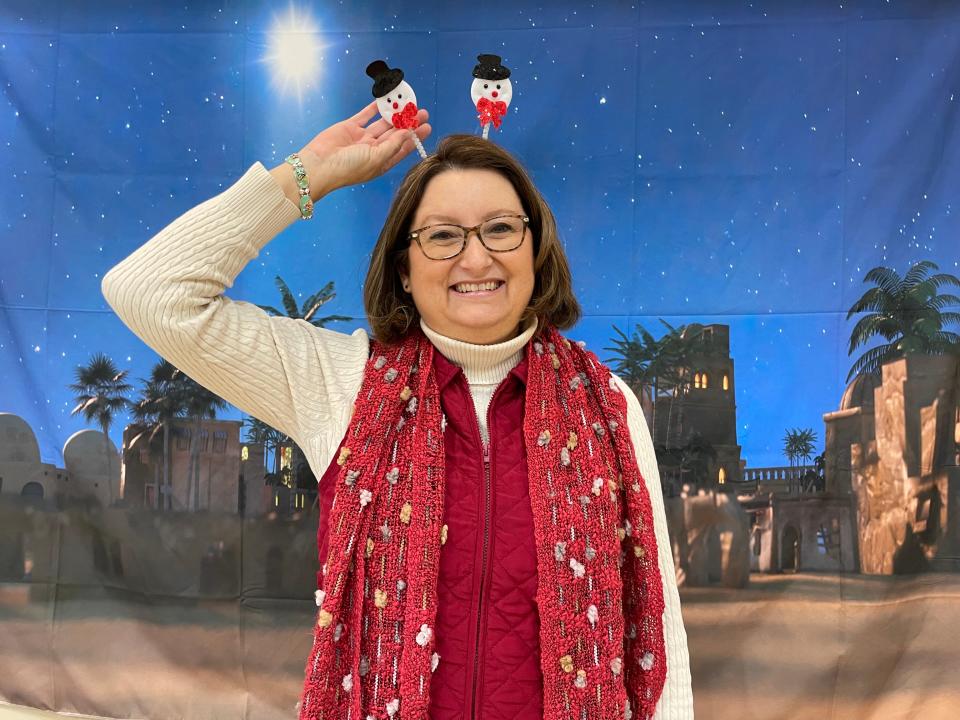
[476, 287]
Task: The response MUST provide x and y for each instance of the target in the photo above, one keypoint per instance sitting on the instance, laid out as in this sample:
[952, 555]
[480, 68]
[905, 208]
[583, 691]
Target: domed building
[22, 472]
[847, 426]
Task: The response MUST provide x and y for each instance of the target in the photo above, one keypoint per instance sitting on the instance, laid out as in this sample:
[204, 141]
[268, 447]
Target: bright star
[293, 52]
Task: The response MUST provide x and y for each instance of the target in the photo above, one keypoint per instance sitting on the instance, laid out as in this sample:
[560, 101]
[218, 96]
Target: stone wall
[905, 478]
[709, 535]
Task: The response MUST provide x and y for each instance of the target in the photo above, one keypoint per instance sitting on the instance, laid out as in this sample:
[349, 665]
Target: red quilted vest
[487, 628]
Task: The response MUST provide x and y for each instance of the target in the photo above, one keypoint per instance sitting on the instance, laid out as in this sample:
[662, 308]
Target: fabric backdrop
[725, 174]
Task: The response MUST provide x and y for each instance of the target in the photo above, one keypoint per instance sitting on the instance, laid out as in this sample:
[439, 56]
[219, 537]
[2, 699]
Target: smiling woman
[491, 533]
[477, 296]
[522, 269]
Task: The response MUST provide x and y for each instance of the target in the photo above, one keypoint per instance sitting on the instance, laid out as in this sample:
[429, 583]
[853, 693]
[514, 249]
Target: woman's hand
[351, 152]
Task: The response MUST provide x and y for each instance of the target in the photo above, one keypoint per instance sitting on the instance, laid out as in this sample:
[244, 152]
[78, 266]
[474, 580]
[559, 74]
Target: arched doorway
[790, 549]
[32, 490]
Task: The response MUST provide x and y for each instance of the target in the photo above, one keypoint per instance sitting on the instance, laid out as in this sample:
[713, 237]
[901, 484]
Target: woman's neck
[482, 364]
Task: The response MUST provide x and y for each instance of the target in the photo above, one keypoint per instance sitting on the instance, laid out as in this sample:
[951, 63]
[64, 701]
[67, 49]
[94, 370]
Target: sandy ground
[824, 646]
[789, 646]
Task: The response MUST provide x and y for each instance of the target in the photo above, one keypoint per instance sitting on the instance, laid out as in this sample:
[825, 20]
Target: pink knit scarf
[599, 595]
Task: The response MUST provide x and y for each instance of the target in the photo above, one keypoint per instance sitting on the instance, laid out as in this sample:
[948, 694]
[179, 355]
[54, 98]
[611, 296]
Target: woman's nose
[475, 254]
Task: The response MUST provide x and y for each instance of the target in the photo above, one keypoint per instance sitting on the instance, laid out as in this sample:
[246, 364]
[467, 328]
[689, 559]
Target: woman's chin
[484, 332]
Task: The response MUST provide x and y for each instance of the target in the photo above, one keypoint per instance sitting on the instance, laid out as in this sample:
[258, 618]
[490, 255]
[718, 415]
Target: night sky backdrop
[734, 162]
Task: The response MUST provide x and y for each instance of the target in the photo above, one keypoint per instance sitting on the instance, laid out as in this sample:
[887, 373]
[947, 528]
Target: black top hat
[489, 68]
[385, 79]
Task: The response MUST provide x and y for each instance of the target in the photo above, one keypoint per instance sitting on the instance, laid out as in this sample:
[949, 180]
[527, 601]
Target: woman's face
[442, 290]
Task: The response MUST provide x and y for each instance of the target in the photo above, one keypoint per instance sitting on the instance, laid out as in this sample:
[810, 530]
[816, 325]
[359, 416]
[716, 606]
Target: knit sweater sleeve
[295, 377]
[676, 702]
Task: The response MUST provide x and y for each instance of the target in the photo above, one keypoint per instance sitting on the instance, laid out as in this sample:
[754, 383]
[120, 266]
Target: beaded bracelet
[306, 204]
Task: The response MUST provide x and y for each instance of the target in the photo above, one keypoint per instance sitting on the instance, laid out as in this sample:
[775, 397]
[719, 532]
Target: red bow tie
[406, 119]
[491, 111]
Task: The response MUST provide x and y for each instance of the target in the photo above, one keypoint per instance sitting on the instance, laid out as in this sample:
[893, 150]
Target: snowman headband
[491, 93]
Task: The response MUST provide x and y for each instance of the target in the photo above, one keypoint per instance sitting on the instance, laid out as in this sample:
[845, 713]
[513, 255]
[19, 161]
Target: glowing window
[696, 380]
[726, 381]
[722, 476]
[703, 380]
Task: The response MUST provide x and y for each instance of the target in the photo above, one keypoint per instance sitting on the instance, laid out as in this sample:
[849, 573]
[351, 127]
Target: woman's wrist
[286, 177]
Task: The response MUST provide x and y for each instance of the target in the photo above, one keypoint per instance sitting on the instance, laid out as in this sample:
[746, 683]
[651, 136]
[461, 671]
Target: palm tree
[272, 440]
[662, 366]
[696, 457]
[259, 431]
[101, 393]
[310, 305]
[817, 478]
[161, 400]
[277, 443]
[908, 312]
[798, 443]
[680, 346]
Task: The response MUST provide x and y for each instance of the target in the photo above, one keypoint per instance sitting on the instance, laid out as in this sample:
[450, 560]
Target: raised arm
[297, 378]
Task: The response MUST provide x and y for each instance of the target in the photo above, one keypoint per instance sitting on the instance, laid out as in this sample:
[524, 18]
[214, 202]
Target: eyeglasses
[500, 234]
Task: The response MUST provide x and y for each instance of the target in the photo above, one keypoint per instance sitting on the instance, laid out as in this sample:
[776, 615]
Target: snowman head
[390, 89]
[491, 80]
[395, 100]
[493, 90]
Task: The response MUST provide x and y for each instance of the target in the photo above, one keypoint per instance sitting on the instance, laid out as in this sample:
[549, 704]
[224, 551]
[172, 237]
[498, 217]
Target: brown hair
[391, 311]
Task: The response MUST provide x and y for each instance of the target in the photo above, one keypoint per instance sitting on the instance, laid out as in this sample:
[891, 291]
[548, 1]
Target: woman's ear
[405, 281]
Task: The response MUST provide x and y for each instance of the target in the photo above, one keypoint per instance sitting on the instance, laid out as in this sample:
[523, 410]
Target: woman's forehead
[468, 195]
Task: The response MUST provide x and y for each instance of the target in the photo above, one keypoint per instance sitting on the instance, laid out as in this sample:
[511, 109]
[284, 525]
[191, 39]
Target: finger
[395, 148]
[389, 136]
[363, 117]
[377, 128]
[392, 141]
[424, 130]
[407, 146]
[404, 149]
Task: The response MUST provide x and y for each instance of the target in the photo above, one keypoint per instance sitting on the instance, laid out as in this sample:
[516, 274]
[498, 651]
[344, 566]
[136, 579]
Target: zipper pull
[486, 453]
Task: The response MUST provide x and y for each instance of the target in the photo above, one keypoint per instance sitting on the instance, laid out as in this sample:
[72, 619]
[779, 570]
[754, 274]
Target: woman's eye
[500, 228]
[441, 236]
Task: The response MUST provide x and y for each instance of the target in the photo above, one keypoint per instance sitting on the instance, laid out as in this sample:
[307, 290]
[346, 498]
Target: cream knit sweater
[300, 379]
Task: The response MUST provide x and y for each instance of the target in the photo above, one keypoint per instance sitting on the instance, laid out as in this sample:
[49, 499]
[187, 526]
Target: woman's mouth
[467, 288]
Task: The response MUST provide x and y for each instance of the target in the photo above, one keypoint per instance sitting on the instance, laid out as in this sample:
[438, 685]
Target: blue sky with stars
[735, 162]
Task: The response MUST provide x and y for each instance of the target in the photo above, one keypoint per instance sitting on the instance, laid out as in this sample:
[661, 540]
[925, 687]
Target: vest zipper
[483, 571]
[486, 536]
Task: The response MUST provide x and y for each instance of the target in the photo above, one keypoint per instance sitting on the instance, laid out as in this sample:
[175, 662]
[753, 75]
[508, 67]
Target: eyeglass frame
[415, 235]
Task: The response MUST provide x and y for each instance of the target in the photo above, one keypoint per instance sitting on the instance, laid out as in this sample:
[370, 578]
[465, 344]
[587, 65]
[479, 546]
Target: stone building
[709, 537]
[704, 404]
[894, 444]
[92, 459]
[34, 496]
[231, 476]
[801, 532]
[60, 526]
[213, 483]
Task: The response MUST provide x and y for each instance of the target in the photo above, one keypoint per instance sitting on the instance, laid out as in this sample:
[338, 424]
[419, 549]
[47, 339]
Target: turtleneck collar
[482, 364]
